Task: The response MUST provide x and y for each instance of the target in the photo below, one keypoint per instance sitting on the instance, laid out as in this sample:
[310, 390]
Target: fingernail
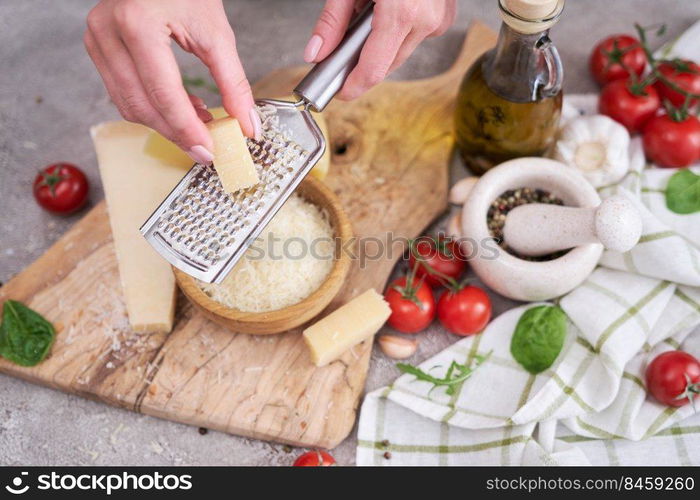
[312, 48]
[201, 106]
[204, 115]
[257, 124]
[201, 155]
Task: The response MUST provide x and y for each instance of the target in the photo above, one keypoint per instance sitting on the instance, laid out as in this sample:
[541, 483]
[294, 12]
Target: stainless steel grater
[204, 231]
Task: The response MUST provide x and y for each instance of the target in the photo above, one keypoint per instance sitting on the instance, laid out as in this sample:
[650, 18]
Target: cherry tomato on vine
[464, 312]
[412, 304]
[315, 458]
[614, 57]
[61, 188]
[673, 378]
[437, 258]
[631, 107]
[671, 143]
[683, 74]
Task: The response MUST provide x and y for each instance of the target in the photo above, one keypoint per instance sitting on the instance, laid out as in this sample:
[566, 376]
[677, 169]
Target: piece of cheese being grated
[347, 326]
[160, 148]
[286, 263]
[232, 159]
[135, 184]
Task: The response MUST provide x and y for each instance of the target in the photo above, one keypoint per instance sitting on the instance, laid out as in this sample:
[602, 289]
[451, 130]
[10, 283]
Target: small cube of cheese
[232, 159]
[347, 326]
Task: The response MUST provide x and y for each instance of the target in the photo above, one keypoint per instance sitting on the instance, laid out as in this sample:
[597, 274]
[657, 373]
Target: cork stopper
[531, 16]
[532, 10]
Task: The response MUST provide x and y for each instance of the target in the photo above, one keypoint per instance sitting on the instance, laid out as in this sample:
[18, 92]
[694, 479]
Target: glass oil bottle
[509, 102]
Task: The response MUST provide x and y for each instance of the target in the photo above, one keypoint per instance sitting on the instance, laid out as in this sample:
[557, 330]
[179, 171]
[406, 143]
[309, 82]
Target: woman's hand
[129, 42]
[397, 29]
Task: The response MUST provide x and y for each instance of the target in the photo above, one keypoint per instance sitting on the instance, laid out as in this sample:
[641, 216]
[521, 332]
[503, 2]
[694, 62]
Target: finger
[159, 73]
[221, 57]
[379, 52]
[204, 115]
[197, 101]
[407, 48]
[122, 84]
[96, 56]
[448, 18]
[360, 4]
[201, 109]
[329, 30]
[110, 85]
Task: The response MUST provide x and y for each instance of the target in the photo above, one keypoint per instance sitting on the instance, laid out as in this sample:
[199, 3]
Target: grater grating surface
[204, 231]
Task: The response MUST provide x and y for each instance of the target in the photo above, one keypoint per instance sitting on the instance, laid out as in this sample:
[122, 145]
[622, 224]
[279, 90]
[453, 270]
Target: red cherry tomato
[670, 143]
[673, 378]
[464, 312]
[685, 75]
[632, 110]
[412, 307]
[315, 458]
[61, 188]
[605, 59]
[442, 255]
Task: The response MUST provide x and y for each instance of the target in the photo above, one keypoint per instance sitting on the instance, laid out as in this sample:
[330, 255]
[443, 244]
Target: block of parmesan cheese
[232, 159]
[134, 185]
[347, 326]
[167, 152]
[320, 170]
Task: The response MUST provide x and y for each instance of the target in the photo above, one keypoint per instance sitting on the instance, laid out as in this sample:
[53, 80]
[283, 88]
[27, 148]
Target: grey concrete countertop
[49, 96]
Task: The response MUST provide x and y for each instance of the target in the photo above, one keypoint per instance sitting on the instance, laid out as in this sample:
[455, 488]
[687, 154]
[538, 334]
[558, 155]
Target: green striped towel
[595, 390]
[591, 406]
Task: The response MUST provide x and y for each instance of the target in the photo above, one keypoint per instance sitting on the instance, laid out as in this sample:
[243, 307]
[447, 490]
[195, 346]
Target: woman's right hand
[129, 42]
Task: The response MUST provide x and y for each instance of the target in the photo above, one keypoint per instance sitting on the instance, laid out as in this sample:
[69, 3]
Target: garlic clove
[454, 227]
[397, 347]
[460, 191]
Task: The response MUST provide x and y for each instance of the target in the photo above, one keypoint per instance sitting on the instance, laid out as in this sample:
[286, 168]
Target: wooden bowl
[281, 320]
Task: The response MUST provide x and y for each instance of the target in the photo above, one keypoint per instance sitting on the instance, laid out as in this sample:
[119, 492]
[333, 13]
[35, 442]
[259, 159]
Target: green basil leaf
[683, 192]
[539, 337]
[25, 336]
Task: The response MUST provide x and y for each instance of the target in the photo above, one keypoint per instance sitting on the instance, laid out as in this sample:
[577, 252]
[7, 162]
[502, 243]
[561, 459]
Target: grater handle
[326, 78]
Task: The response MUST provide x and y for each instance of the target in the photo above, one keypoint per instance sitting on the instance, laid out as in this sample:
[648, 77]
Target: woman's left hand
[397, 29]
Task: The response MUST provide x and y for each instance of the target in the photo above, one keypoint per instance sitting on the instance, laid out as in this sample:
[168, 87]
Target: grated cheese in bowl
[288, 262]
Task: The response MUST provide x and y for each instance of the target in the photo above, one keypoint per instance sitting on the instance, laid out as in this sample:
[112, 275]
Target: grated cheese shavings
[286, 264]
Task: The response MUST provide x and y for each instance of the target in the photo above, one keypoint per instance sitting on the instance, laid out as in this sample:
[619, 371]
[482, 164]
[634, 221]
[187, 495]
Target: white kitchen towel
[595, 388]
[591, 405]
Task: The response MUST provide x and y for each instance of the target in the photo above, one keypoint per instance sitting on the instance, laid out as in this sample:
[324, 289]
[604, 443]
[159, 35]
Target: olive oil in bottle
[509, 102]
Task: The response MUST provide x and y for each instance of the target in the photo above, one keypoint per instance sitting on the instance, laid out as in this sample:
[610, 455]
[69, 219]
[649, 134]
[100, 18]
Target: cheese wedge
[232, 159]
[347, 326]
[159, 148]
[219, 112]
[320, 170]
[168, 152]
[134, 185]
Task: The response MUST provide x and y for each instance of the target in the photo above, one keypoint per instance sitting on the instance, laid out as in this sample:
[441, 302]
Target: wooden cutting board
[389, 168]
